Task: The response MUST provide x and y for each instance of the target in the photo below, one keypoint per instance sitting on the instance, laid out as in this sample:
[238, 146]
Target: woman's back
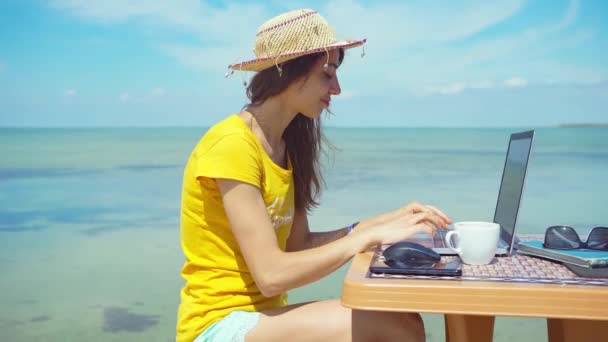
[217, 278]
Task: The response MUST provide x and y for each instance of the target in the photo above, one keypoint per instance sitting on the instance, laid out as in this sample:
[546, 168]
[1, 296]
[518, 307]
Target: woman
[248, 186]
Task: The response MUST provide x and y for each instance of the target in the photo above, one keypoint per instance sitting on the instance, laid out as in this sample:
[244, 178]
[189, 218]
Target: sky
[129, 63]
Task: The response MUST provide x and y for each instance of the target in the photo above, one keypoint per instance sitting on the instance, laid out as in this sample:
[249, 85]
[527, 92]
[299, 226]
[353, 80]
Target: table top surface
[471, 297]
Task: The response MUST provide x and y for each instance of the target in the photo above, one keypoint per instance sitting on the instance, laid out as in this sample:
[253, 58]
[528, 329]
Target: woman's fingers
[415, 218]
[422, 227]
[440, 213]
[429, 216]
[411, 230]
[416, 207]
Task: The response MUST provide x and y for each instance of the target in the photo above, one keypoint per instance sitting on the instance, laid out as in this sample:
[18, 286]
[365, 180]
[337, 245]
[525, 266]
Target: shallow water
[89, 236]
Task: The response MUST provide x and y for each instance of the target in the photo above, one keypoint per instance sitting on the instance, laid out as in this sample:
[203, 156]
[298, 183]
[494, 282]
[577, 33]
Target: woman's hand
[404, 222]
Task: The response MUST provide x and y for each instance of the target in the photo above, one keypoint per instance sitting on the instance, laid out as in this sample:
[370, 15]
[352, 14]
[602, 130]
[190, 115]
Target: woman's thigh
[329, 321]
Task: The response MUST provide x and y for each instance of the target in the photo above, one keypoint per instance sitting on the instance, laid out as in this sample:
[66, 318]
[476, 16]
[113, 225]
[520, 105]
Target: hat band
[288, 55]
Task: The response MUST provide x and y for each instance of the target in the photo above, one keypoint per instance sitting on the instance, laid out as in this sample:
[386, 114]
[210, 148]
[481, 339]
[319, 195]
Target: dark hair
[303, 136]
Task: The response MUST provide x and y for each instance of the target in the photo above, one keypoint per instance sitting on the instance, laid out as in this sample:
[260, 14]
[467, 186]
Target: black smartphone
[451, 268]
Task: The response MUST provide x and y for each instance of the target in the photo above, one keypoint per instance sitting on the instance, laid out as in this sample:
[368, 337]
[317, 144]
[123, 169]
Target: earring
[280, 70]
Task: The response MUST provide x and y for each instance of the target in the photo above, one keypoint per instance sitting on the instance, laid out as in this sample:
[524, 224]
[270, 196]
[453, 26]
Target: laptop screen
[512, 184]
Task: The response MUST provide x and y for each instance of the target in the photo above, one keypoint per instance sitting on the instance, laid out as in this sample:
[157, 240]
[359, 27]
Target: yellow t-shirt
[218, 280]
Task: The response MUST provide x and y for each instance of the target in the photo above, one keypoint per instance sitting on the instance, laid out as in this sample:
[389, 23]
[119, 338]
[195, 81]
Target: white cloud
[225, 34]
[70, 92]
[459, 87]
[225, 38]
[408, 55]
[399, 23]
[190, 16]
[534, 42]
[451, 89]
[516, 82]
[124, 97]
[482, 85]
[566, 73]
[180, 12]
[213, 59]
[410, 44]
[569, 17]
[510, 83]
[158, 91]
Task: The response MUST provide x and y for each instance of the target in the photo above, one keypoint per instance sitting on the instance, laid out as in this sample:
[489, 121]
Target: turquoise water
[89, 237]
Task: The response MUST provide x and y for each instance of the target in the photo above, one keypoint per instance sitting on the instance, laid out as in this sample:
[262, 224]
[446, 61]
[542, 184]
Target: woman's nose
[334, 87]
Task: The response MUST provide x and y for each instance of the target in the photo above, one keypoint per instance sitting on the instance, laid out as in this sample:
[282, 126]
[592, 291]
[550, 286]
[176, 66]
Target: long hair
[303, 136]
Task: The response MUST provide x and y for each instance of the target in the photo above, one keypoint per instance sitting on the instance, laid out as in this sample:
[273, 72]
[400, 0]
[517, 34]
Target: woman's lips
[326, 102]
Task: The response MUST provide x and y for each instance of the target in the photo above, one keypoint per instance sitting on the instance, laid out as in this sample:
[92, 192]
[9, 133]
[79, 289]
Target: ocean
[89, 218]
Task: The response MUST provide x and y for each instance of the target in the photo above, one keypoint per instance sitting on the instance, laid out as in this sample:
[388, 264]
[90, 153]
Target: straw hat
[291, 35]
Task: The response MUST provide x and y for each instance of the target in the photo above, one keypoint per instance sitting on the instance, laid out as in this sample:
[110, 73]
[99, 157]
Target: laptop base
[500, 251]
[440, 247]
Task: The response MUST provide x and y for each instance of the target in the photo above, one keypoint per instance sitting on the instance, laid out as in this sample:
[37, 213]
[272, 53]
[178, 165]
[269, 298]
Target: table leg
[566, 330]
[469, 328]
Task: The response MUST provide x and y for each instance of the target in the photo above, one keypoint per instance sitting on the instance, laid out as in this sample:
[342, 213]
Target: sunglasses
[564, 237]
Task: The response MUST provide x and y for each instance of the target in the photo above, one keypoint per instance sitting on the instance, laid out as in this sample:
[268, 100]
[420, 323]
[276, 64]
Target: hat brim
[260, 64]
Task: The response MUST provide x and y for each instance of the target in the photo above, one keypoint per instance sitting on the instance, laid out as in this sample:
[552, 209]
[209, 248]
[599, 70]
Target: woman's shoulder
[231, 125]
[231, 128]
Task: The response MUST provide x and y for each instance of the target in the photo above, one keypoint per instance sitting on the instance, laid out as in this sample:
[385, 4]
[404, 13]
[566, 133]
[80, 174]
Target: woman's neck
[269, 120]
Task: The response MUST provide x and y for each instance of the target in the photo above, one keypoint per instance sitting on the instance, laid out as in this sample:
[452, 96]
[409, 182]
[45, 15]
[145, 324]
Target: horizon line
[563, 125]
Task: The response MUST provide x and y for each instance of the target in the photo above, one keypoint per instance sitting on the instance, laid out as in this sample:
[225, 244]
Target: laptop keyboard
[439, 238]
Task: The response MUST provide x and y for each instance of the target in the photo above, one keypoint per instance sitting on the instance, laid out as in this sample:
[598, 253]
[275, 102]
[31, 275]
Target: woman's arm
[276, 271]
[302, 238]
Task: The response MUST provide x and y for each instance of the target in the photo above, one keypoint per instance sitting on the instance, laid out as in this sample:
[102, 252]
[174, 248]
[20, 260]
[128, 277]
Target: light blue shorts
[231, 328]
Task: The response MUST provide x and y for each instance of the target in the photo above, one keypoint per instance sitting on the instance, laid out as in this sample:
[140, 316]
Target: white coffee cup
[476, 241]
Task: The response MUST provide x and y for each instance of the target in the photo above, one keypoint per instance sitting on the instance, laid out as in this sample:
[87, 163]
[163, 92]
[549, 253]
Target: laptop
[509, 196]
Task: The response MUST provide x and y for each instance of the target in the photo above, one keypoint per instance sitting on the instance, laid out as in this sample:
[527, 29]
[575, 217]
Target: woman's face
[313, 93]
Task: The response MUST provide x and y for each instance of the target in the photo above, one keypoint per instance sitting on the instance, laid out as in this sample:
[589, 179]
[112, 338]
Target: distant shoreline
[584, 125]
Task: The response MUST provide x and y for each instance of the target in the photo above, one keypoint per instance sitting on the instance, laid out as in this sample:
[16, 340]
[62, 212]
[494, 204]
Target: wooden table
[573, 312]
